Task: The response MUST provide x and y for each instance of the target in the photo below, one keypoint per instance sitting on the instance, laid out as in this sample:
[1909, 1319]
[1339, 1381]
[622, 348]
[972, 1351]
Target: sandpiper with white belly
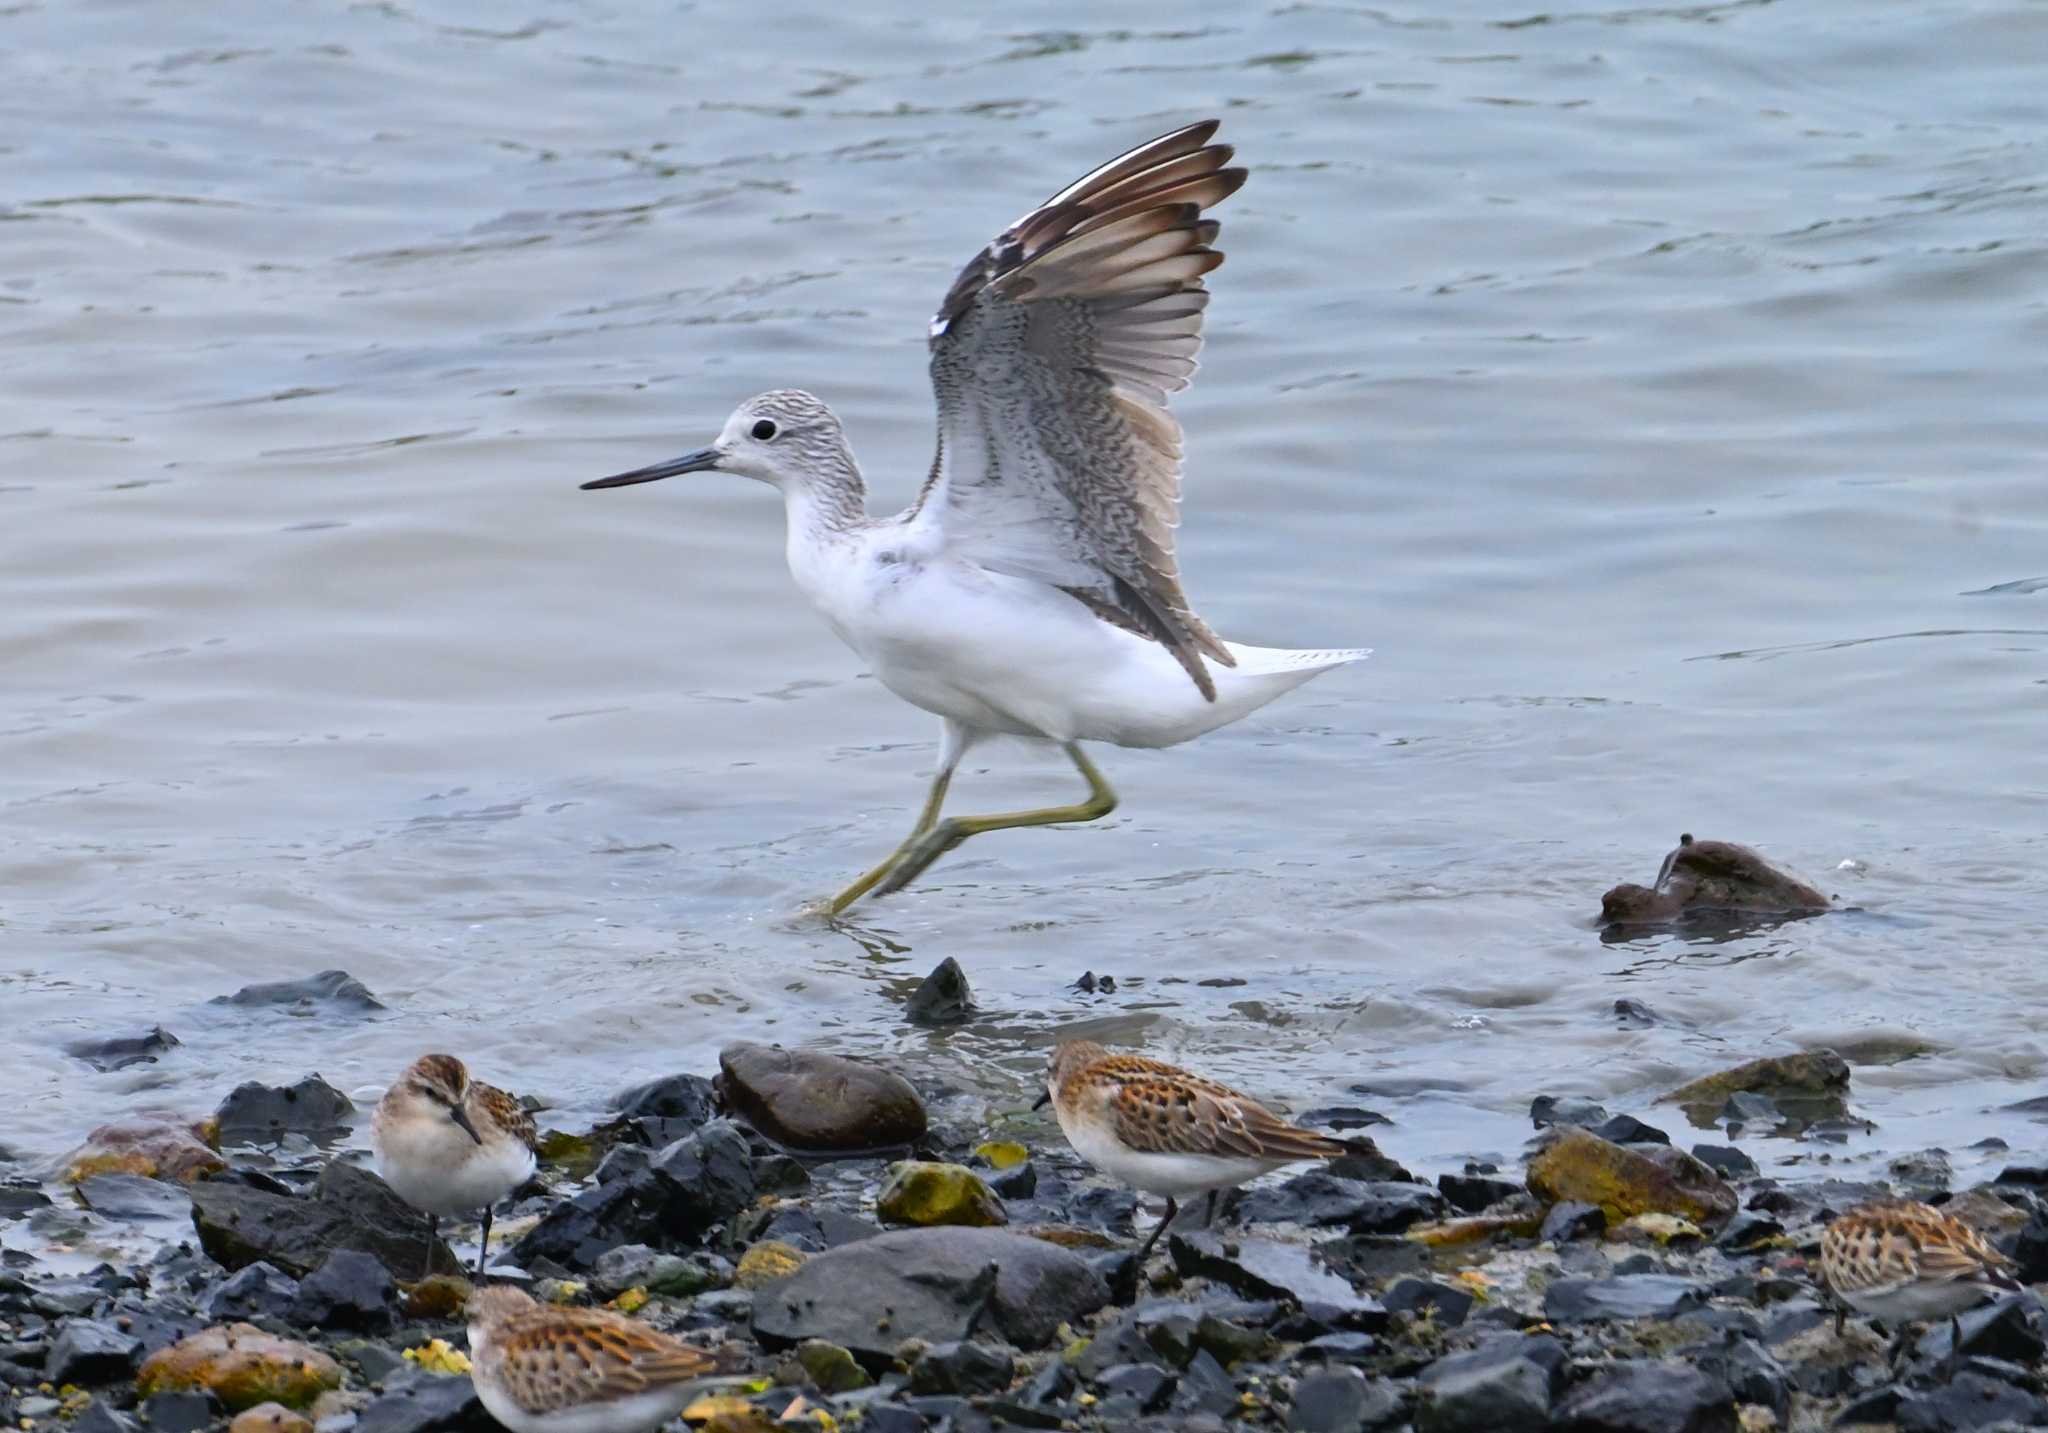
[1032, 589]
[447, 1144]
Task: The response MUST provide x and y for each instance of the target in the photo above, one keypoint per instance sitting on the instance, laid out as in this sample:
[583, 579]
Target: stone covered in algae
[243, 1366]
[1711, 879]
[830, 1368]
[924, 1193]
[1626, 1182]
[154, 1149]
[1808, 1086]
[765, 1262]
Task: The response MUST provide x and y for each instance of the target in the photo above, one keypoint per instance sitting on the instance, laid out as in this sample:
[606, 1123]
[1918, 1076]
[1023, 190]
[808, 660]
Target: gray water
[1658, 390]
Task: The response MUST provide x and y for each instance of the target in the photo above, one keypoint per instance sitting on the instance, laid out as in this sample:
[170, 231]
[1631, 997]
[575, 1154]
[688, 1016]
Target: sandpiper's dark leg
[483, 1251]
[1209, 1214]
[433, 1236]
[1955, 1345]
[1841, 1318]
[1146, 1252]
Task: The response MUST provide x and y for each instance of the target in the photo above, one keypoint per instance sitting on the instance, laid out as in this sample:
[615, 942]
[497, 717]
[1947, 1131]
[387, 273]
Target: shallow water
[1657, 389]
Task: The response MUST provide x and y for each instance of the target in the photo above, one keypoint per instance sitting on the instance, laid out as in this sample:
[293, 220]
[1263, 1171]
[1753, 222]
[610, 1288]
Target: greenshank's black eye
[764, 430]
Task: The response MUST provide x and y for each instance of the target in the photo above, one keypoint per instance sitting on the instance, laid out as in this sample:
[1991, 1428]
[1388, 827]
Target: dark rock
[1365, 1160]
[1263, 1268]
[1204, 1387]
[1317, 1197]
[2033, 1176]
[1647, 1396]
[1570, 1219]
[1090, 983]
[258, 1291]
[690, 1098]
[1747, 1108]
[938, 1284]
[1971, 1401]
[2030, 1253]
[1373, 1258]
[712, 1173]
[17, 1200]
[815, 1229]
[1711, 880]
[330, 990]
[1507, 1384]
[1634, 1015]
[1341, 1118]
[1134, 1388]
[187, 1411]
[122, 1051]
[1748, 1230]
[88, 1352]
[1725, 1160]
[622, 1162]
[1340, 1348]
[131, 1198]
[1445, 1304]
[1018, 1182]
[1793, 1318]
[98, 1418]
[809, 1100]
[350, 1290]
[1923, 1173]
[1627, 1129]
[1879, 1405]
[1805, 1087]
[1548, 1110]
[1331, 1400]
[1749, 1370]
[1229, 1340]
[892, 1418]
[352, 1209]
[426, 1403]
[255, 1113]
[374, 1360]
[1473, 1192]
[780, 1174]
[941, 998]
[1626, 1296]
[2009, 1328]
[962, 1366]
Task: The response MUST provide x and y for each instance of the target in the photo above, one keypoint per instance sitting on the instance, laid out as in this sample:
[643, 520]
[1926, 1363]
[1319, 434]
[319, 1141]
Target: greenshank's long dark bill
[1032, 589]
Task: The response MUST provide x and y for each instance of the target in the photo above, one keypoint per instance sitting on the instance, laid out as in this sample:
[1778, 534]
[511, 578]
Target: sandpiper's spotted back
[1903, 1260]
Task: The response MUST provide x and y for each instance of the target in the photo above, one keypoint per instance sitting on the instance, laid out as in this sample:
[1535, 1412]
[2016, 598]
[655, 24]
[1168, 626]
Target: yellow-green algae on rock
[922, 1192]
[765, 1262]
[1625, 1182]
[1002, 1153]
[243, 1365]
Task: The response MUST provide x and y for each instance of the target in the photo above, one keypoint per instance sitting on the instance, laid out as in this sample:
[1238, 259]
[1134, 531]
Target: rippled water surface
[1658, 390]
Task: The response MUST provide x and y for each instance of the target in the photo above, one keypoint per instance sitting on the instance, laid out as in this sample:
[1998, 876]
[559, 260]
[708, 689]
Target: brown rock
[152, 1148]
[270, 1418]
[1708, 878]
[1796, 1080]
[806, 1099]
[243, 1365]
[1626, 1181]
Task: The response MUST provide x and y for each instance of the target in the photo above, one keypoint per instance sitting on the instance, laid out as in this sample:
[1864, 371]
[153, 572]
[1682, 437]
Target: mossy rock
[438, 1296]
[1626, 1182]
[270, 1418]
[153, 1149]
[766, 1262]
[830, 1368]
[1002, 1153]
[922, 1193]
[243, 1366]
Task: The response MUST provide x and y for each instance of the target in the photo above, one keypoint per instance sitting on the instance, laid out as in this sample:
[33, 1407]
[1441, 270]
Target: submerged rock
[242, 1366]
[941, 998]
[1800, 1090]
[1711, 879]
[1579, 1165]
[121, 1051]
[154, 1149]
[809, 1100]
[256, 1113]
[922, 1193]
[941, 1285]
[330, 990]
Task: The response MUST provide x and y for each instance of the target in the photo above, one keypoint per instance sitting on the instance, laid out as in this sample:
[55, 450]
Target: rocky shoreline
[927, 1262]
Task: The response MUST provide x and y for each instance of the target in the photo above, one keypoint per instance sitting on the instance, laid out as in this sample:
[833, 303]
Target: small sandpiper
[1165, 1130]
[448, 1144]
[1901, 1261]
[543, 1369]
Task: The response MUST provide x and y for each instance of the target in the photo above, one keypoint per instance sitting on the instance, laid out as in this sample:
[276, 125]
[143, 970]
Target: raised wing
[1052, 358]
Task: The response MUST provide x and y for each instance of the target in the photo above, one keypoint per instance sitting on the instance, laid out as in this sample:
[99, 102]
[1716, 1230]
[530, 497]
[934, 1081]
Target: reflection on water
[1557, 351]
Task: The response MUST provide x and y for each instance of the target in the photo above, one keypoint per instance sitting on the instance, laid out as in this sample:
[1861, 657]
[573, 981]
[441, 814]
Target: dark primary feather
[1073, 326]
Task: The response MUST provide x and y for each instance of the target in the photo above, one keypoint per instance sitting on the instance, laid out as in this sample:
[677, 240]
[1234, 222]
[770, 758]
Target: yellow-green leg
[925, 821]
[927, 845]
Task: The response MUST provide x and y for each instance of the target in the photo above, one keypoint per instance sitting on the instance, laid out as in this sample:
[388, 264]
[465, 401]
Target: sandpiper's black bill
[695, 462]
[461, 1117]
[1042, 1101]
